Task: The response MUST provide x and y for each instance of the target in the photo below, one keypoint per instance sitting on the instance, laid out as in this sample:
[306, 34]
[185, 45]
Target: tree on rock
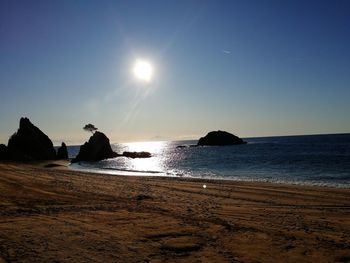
[90, 128]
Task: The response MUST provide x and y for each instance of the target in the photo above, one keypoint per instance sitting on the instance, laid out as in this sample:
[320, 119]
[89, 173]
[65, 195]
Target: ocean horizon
[320, 160]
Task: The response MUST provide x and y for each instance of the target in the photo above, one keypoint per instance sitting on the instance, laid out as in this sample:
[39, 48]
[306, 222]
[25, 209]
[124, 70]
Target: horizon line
[250, 137]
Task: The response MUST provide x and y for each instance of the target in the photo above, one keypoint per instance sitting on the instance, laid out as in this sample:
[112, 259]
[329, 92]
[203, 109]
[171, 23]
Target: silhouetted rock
[220, 138]
[137, 154]
[3, 152]
[30, 143]
[62, 152]
[96, 149]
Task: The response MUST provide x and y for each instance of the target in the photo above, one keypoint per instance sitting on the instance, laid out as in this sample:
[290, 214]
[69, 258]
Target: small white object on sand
[204, 186]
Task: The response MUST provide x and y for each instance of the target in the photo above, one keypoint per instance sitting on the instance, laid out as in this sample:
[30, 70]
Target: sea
[322, 160]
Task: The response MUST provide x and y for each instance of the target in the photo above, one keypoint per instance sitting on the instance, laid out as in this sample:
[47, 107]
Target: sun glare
[143, 70]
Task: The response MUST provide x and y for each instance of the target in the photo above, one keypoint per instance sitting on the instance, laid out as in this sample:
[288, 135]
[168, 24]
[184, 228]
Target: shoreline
[50, 214]
[141, 174]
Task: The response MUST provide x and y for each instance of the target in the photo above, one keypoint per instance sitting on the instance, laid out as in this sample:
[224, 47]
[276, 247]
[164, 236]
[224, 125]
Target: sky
[253, 68]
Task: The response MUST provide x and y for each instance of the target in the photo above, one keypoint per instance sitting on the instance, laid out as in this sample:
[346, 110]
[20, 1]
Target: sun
[143, 70]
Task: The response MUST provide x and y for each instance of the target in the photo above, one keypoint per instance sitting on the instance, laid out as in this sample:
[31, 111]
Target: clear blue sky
[254, 68]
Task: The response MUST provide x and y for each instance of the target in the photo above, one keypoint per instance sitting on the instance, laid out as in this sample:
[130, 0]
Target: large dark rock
[220, 138]
[96, 149]
[62, 152]
[30, 143]
[3, 152]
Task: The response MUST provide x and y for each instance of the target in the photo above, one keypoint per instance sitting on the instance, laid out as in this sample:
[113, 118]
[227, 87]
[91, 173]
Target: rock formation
[62, 152]
[99, 148]
[220, 138]
[30, 143]
[96, 149]
[3, 152]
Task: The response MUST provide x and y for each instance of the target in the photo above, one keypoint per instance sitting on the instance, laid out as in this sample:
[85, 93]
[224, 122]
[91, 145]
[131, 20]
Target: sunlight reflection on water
[152, 147]
[155, 164]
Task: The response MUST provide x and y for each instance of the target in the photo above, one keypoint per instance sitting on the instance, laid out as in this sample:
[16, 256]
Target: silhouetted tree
[90, 128]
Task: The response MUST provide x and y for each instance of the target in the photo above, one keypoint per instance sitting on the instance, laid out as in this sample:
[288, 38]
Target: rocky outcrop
[96, 149]
[3, 152]
[137, 154]
[30, 143]
[220, 138]
[62, 152]
[181, 146]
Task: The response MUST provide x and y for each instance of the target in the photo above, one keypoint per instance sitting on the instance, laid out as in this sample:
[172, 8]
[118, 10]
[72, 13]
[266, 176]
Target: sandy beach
[53, 214]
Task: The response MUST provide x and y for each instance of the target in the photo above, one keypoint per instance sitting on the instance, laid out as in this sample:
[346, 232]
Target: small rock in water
[62, 152]
[220, 138]
[137, 154]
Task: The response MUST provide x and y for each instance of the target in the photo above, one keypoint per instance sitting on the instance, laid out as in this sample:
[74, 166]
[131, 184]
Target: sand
[52, 214]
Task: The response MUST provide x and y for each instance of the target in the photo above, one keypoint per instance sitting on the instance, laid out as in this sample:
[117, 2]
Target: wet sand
[52, 214]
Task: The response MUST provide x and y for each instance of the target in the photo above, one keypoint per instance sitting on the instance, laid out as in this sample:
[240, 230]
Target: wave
[110, 170]
[132, 171]
[127, 172]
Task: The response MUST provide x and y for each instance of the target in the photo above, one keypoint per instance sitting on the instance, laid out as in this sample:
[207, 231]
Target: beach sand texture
[58, 215]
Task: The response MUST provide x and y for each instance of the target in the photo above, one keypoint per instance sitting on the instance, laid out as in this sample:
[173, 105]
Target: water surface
[314, 159]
